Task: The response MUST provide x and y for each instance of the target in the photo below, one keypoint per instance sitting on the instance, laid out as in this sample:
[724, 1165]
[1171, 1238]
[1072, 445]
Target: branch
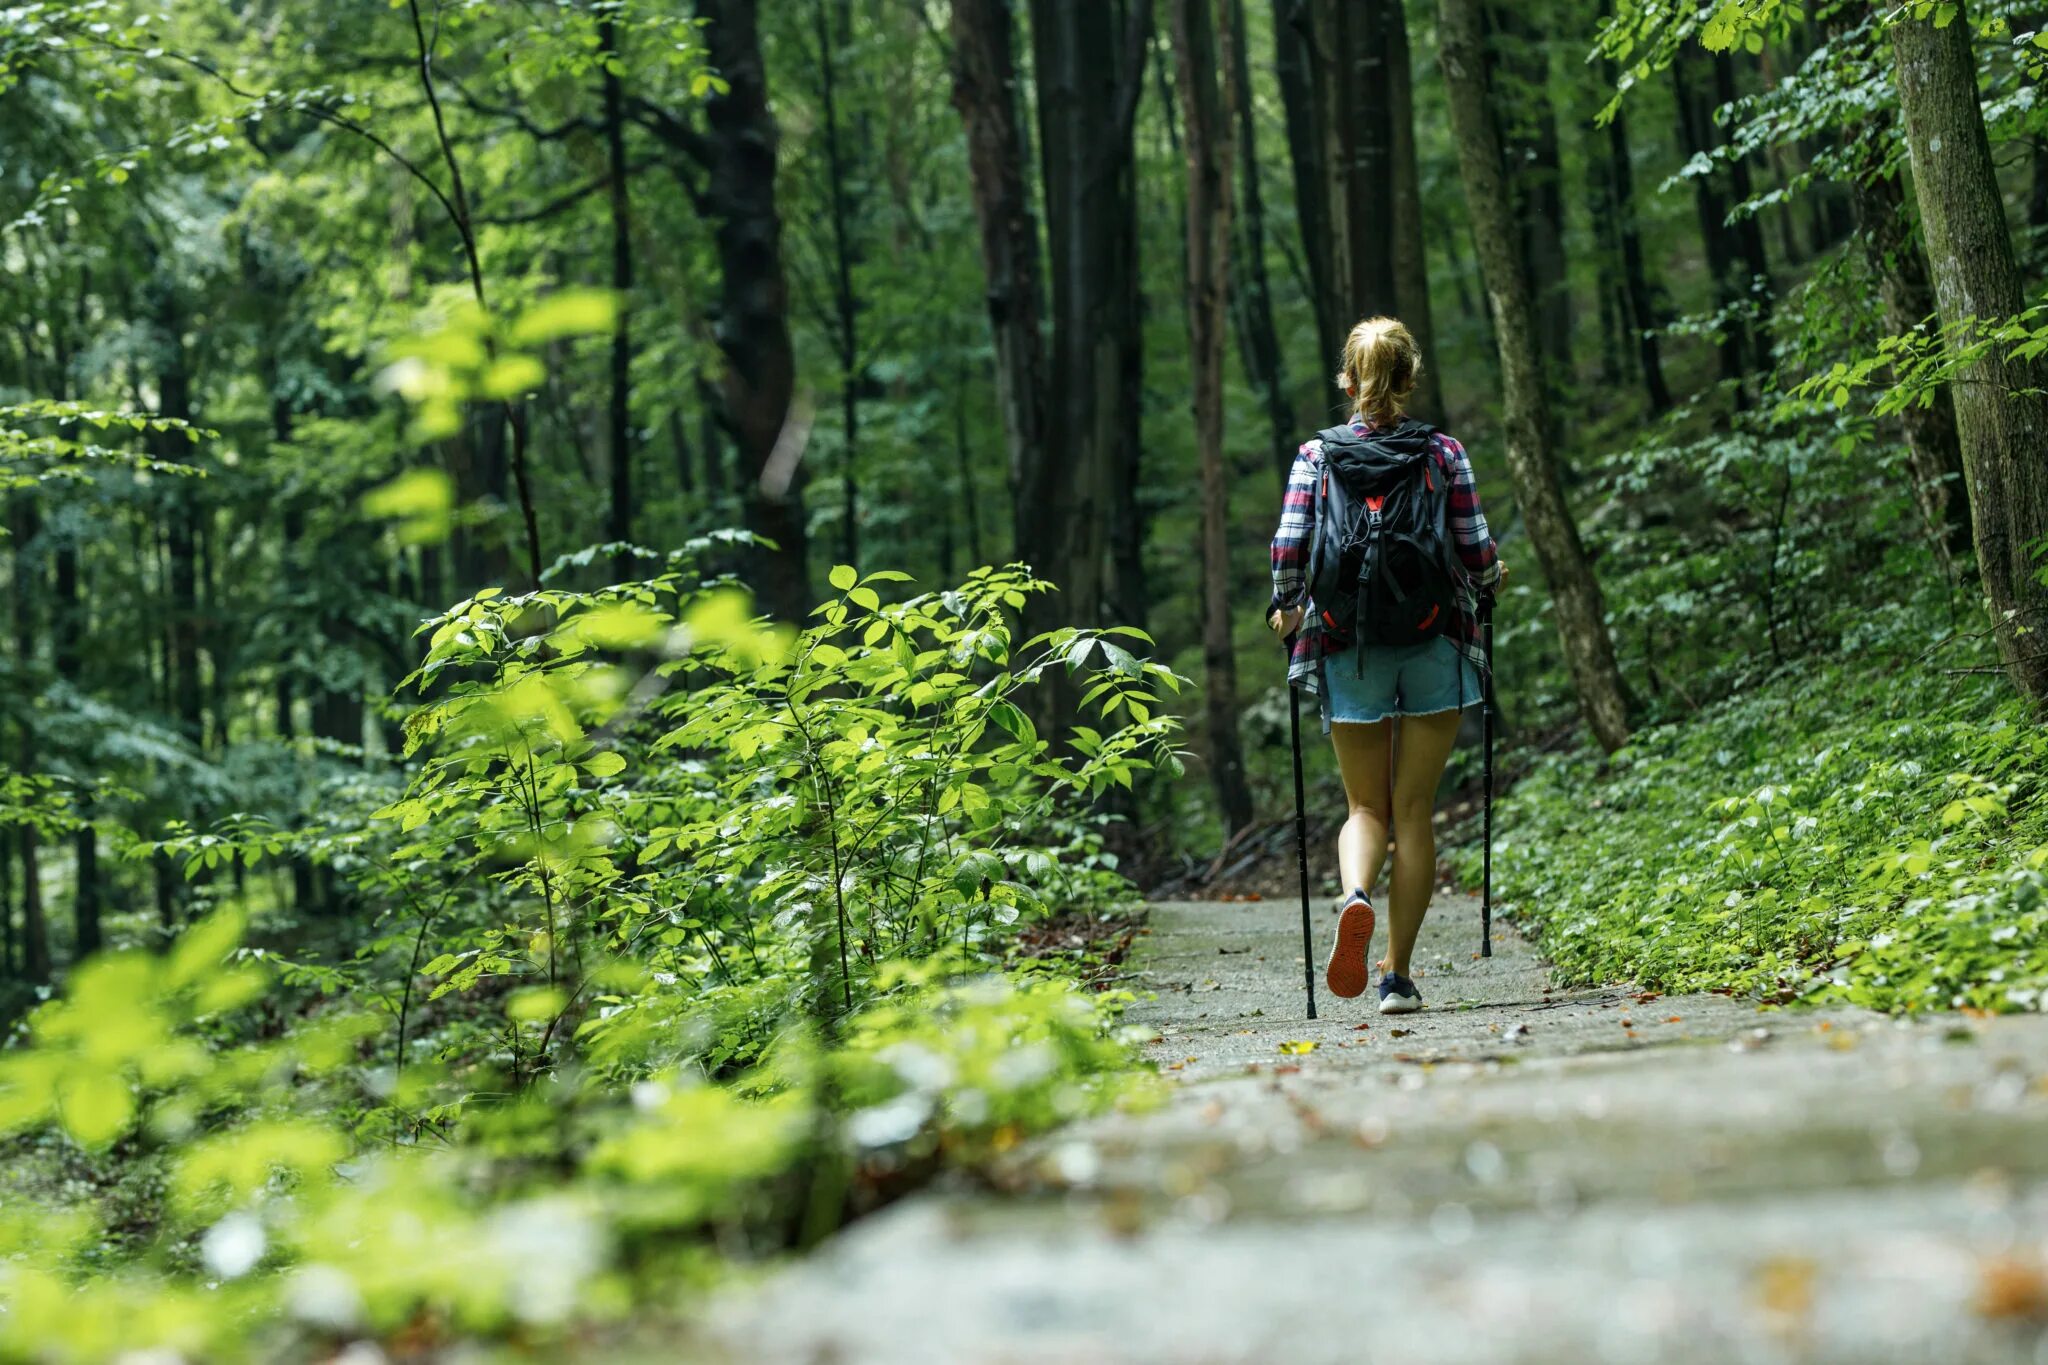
[671, 130]
[513, 115]
[270, 99]
[561, 202]
[1131, 81]
[461, 206]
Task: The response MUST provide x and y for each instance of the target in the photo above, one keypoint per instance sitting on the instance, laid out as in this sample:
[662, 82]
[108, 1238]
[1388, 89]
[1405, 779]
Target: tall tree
[25, 591]
[986, 94]
[1895, 256]
[1581, 613]
[1090, 65]
[833, 28]
[1533, 151]
[1723, 255]
[753, 325]
[1208, 144]
[619, 407]
[1410, 245]
[1353, 51]
[1999, 411]
[1251, 286]
[1296, 67]
[1641, 310]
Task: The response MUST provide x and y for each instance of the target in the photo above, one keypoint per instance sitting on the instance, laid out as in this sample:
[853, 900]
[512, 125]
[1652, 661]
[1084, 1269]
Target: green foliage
[1863, 832]
[706, 916]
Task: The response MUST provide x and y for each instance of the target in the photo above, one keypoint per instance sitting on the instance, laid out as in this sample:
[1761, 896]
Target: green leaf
[865, 597]
[571, 312]
[95, 1106]
[843, 577]
[511, 376]
[606, 764]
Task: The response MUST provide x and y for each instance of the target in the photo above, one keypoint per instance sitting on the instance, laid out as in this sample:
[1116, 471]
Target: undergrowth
[1861, 831]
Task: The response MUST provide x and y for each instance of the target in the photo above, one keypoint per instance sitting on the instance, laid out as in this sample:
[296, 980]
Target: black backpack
[1381, 567]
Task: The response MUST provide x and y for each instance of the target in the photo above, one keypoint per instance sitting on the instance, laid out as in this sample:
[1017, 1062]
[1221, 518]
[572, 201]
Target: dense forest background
[431, 429]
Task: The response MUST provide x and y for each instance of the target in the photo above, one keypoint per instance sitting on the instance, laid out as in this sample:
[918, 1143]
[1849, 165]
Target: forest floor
[1521, 1173]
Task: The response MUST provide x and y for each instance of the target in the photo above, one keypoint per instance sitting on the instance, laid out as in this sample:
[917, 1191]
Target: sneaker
[1347, 973]
[1398, 995]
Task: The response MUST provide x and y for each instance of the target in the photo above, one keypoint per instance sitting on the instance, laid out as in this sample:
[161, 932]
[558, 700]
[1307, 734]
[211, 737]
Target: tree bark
[26, 589]
[1295, 66]
[1533, 154]
[618, 412]
[1195, 42]
[985, 92]
[1090, 70]
[1749, 232]
[845, 301]
[1643, 313]
[1576, 599]
[1251, 286]
[1715, 236]
[1411, 252]
[759, 383]
[1933, 449]
[1999, 412]
[1351, 53]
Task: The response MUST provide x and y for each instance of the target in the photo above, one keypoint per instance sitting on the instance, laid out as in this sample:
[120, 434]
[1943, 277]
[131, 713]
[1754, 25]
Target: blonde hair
[1381, 364]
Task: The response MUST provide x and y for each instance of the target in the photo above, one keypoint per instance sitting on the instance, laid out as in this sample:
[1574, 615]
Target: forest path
[1519, 1173]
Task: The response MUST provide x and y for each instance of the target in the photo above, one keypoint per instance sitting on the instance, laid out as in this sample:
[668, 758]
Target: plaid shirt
[1297, 526]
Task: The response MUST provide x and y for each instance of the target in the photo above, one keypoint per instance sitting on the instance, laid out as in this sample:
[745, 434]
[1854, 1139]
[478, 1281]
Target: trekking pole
[1486, 856]
[1308, 970]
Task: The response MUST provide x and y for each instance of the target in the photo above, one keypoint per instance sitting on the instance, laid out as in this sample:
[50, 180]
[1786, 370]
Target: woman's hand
[1285, 621]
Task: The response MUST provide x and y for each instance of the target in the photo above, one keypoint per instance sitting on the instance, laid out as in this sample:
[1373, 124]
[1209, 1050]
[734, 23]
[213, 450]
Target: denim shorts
[1368, 683]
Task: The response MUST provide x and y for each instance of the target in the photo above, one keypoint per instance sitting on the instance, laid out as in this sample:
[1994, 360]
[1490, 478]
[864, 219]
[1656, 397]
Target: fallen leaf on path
[1519, 1032]
[2012, 1289]
[1288, 1070]
[1784, 1285]
[1298, 1047]
[1360, 1028]
[1672, 1020]
[1402, 1032]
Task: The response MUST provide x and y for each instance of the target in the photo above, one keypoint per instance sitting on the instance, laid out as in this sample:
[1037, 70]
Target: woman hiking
[1382, 521]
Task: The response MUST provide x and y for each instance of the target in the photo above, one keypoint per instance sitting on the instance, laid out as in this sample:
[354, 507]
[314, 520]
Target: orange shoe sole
[1347, 974]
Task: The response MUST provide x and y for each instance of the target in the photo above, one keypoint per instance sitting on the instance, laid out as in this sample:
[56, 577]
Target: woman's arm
[1468, 520]
[1297, 528]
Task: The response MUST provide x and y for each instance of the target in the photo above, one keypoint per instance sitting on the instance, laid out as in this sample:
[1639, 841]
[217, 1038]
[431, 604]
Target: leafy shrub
[694, 934]
[1857, 833]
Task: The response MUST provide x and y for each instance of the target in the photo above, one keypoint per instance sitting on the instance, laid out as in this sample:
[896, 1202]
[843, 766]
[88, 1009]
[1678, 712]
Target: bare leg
[1365, 758]
[1426, 743]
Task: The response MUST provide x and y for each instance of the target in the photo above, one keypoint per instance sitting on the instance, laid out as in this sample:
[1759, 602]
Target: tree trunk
[26, 590]
[1575, 593]
[1749, 232]
[67, 638]
[1933, 449]
[1723, 265]
[1532, 152]
[845, 253]
[1294, 64]
[985, 92]
[618, 413]
[1090, 71]
[1195, 40]
[174, 400]
[1411, 252]
[1252, 290]
[753, 325]
[1644, 315]
[1999, 412]
[1351, 54]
